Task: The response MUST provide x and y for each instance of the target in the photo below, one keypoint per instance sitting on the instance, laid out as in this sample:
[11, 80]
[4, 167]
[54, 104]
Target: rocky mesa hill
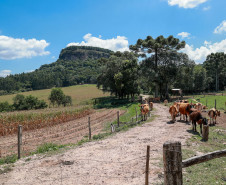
[76, 65]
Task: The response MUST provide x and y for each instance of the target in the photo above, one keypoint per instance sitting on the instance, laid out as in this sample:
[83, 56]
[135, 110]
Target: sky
[33, 32]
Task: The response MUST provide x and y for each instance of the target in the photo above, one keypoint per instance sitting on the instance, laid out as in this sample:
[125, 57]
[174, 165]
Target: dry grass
[82, 96]
[79, 94]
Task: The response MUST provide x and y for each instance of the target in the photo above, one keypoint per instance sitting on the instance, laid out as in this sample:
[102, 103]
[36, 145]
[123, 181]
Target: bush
[5, 107]
[20, 102]
[57, 97]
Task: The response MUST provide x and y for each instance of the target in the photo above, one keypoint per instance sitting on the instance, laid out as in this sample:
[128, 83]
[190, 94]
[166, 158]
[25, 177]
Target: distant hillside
[76, 64]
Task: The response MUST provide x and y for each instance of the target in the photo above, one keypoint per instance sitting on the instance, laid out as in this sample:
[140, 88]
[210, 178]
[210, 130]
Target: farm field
[32, 119]
[120, 158]
[79, 94]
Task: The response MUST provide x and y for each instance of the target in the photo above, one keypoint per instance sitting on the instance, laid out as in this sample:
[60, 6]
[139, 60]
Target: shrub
[20, 102]
[5, 107]
[58, 97]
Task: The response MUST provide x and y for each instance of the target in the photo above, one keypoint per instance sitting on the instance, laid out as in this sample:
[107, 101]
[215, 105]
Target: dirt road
[119, 159]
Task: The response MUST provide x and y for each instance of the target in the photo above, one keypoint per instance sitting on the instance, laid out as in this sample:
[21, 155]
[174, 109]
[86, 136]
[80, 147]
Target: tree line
[76, 65]
[153, 65]
[157, 65]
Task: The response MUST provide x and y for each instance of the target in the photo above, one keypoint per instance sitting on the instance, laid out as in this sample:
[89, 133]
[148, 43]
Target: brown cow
[213, 113]
[144, 109]
[151, 106]
[157, 100]
[173, 111]
[165, 102]
[196, 116]
[184, 108]
[198, 106]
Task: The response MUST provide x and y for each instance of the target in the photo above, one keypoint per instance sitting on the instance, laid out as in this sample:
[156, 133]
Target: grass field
[79, 94]
[82, 97]
[210, 172]
[209, 100]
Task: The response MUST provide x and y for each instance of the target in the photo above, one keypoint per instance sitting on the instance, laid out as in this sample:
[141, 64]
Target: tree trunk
[216, 81]
[156, 71]
[167, 91]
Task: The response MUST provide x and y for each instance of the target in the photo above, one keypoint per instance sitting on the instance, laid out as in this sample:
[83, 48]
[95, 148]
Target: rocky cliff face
[83, 53]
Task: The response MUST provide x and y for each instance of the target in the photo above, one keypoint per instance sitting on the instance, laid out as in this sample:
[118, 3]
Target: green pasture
[79, 94]
[210, 172]
[209, 100]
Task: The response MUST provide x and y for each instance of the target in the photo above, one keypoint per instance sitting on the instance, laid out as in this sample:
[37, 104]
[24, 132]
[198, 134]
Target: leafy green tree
[5, 107]
[199, 78]
[67, 100]
[149, 46]
[56, 96]
[215, 66]
[119, 74]
[19, 102]
[170, 64]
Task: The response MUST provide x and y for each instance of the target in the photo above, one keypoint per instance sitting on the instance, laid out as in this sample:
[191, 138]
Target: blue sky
[33, 32]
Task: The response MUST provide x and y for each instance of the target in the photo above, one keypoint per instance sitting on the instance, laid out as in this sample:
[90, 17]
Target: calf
[196, 116]
[144, 109]
[213, 113]
[173, 111]
[151, 106]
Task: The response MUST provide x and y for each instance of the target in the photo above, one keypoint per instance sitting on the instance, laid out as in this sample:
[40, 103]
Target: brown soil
[119, 159]
[62, 133]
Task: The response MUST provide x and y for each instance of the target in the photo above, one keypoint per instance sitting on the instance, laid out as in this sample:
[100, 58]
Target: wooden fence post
[215, 104]
[89, 128]
[147, 165]
[205, 132]
[112, 128]
[19, 140]
[118, 117]
[172, 159]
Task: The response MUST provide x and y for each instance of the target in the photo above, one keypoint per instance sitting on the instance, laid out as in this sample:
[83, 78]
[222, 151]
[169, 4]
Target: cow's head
[204, 121]
[218, 113]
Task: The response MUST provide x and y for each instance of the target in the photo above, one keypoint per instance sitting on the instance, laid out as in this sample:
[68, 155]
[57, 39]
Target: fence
[70, 132]
[24, 143]
[173, 164]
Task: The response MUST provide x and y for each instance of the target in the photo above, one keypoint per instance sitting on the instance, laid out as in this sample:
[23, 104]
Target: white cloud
[11, 48]
[186, 3]
[184, 34]
[206, 8]
[29, 71]
[120, 43]
[5, 73]
[199, 54]
[221, 28]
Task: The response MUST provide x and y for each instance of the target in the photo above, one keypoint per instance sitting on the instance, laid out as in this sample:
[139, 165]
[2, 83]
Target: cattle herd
[189, 111]
[193, 112]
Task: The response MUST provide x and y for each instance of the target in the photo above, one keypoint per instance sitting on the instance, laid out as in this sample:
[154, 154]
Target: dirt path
[119, 159]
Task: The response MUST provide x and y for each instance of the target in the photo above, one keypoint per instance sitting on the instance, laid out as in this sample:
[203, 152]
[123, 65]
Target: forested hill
[76, 64]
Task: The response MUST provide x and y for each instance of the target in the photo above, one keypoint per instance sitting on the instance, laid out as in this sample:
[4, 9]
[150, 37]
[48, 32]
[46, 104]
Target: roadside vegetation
[209, 100]
[210, 171]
